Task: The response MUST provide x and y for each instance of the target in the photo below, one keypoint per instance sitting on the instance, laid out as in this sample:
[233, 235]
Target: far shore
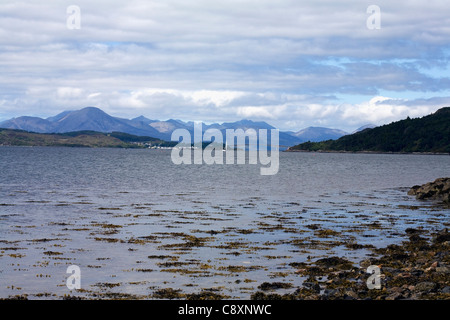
[370, 152]
[287, 150]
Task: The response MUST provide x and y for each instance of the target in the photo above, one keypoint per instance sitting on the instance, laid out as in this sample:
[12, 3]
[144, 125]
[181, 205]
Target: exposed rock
[394, 296]
[313, 286]
[274, 285]
[329, 292]
[425, 286]
[334, 262]
[416, 269]
[442, 270]
[350, 295]
[365, 263]
[412, 231]
[442, 236]
[439, 189]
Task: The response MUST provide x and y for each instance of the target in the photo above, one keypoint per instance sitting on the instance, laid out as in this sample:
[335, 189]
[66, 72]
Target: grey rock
[350, 295]
[446, 290]
[394, 296]
[313, 286]
[438, 189]
[329, 292]
[442, 270]
[425, 286]
[417, 272]
[442, 236]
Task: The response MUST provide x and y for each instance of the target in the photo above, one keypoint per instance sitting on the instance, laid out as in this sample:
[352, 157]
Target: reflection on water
[135, 223]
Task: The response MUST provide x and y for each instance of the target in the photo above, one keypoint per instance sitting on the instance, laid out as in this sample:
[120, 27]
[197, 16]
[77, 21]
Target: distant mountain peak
[59, 116]
[316, 134]
[143, 119]
[91, 110]
[364, 127]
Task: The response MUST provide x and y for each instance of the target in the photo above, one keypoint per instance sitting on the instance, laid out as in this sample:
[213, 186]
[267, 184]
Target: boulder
[441, 237]
[439, 189]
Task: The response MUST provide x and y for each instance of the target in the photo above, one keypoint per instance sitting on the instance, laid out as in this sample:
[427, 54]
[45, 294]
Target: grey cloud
[276, 53]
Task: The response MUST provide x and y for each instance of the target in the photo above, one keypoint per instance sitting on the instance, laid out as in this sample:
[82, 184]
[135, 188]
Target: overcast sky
[292, 64]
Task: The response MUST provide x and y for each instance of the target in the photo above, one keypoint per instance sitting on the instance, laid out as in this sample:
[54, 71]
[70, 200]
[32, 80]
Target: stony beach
[415, 270]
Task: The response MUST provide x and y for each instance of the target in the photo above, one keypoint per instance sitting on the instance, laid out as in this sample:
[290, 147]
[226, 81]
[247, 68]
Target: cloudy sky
[292, 64]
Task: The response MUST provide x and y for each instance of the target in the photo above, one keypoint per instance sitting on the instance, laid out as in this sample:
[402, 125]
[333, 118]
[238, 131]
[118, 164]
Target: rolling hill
[92, 139]
[426, 134]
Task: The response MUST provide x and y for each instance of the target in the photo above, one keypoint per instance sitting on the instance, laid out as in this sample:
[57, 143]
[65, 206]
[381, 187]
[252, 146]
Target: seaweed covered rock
[439, 189]
[415, 269]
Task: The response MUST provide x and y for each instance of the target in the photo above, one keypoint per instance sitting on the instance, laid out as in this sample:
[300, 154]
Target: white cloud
[69, 93]
[280, 61]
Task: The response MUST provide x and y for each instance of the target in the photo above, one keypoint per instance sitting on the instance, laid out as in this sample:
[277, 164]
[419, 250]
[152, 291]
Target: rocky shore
[414, 266]
[418, 269]
[436, 190]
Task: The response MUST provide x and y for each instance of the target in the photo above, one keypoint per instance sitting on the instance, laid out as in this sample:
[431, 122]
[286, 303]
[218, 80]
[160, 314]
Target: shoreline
[417, 269]
[287, 151]
[370, 152]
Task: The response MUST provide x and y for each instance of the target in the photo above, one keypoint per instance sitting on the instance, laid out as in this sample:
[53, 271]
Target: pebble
[425, 286]
[313, 286]
[394, 296]
[442, 270]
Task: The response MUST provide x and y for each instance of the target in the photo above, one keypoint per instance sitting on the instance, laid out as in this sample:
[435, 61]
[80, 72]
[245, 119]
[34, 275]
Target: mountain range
[94, 119]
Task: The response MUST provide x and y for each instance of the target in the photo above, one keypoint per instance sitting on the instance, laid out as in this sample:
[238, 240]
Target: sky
[293, 64]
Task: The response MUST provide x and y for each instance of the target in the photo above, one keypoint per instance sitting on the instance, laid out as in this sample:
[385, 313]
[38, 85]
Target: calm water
[136, 223]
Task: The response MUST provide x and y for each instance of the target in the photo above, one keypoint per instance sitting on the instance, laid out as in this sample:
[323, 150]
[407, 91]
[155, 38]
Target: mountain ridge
[430, 133]
[316, 134]
[94, 119]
